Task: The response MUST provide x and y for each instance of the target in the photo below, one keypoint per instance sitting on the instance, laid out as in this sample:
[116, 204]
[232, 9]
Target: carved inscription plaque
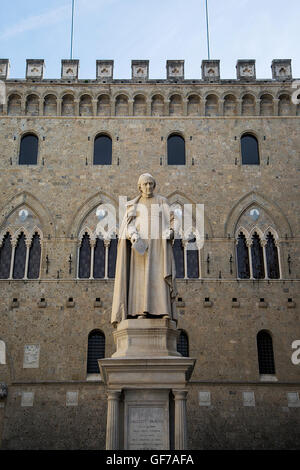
[147, 428]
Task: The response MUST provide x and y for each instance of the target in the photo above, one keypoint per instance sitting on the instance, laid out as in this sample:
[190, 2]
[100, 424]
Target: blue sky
[149, 29]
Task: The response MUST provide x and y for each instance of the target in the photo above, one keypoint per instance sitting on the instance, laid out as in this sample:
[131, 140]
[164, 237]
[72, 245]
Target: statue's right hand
[134, 237]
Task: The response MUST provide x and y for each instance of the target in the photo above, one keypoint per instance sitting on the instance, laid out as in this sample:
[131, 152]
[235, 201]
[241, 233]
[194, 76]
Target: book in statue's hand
[140, 246]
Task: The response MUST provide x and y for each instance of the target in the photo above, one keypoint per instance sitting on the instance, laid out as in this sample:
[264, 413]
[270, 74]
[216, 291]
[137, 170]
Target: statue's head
[146, 184]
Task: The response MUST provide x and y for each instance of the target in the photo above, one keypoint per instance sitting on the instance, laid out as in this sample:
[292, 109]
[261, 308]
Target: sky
[157, 30]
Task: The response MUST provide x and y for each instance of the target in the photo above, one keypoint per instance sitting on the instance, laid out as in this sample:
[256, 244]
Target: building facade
[70, 145]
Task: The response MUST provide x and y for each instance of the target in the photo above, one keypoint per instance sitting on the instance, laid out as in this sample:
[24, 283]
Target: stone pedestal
[146, 380]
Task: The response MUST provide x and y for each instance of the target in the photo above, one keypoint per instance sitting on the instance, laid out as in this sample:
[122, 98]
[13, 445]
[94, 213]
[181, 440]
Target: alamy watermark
[154, 221]
[296, 354]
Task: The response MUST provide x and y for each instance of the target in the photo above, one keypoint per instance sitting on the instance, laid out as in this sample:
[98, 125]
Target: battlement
[210, 71]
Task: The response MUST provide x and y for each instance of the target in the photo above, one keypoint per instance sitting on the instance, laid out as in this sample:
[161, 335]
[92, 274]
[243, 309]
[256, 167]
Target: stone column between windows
[94, 107]
[185, 106]
[185, 244]
[221, 108]
[263, 244]
[167, 108]
[249, 244]
[58, 106]
[278, 256]
[130, 107]
[112, 425]
[180, 419]
[106, 246]
[23, 106]
[92, 245]
[202, 107]
[13, 248]
[41, 106]
[199, 258]
[5, 105]
[27, 243]
[276, 106]
[257, 107]
[239, 103]
[148, 107]
[76, 107]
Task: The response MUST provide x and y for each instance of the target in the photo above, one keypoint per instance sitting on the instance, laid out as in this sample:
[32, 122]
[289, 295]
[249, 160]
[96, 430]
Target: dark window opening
[5, 257]
[183, 344]
[85, 257]
[96, 350]
[192, 260]
[242, 257]
[272, 258]
[20, 258]
[112, 257]
[257, 258]
[176, 150]
[99, 259]
[179, 257]
[28, 150]
[265, 353]
[249, 149]
[102, 150]
[34, 257]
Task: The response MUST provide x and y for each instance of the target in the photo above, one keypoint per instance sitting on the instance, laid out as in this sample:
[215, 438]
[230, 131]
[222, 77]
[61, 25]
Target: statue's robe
[144, 283]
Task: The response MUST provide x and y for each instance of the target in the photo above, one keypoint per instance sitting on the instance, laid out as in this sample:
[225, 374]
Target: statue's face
[147, 187]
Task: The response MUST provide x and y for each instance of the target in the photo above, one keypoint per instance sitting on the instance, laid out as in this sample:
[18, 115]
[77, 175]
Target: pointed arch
[39, 210]
[86, 208]
[272, 209]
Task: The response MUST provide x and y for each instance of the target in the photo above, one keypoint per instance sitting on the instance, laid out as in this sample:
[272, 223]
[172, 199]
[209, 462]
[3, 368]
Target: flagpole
[72, 30]
[207, 30]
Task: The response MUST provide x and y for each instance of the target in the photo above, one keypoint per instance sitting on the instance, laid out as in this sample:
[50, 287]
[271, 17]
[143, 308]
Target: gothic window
[249, 149]
[5, 257]
[28, 150]
[112, 257]
[99, 259]
[34, 257]
[242, 257]
[102, 150]
[176, 150]
[272, 258]
[96, 350]
[192, 255]
[265, 353]
[85, 258]
[179, 257]
[183, 344]
[20, 258]
[257, 258]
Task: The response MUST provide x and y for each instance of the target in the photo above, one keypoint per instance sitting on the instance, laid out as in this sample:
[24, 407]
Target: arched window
[176, 150]
[112, 257]
[96, 350]
[102, 150]
[99, 259]
[157, 105]
[14, 105]
[257, 258]
[20, 258]
[272, 258]
[179, 257]
[28, 150]
[248, 105]
[5, 257]
[192, 257]
[139, 106]
[183, 344]
[85, 106]
[249, 149]
[34, 257]
[50, 105]
[67, 105]
[32, 105]
[265, 353]
[84, 270]
[242, 255]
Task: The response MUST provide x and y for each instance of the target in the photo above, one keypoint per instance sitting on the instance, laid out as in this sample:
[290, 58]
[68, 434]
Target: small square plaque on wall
[31, 356]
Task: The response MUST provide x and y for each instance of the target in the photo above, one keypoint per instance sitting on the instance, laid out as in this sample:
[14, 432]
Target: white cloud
[36, 21]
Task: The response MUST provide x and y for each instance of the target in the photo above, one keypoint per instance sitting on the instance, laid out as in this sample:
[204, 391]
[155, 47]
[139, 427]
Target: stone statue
[145, 283]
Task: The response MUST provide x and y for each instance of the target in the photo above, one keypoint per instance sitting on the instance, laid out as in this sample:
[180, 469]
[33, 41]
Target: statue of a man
[145, 271]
